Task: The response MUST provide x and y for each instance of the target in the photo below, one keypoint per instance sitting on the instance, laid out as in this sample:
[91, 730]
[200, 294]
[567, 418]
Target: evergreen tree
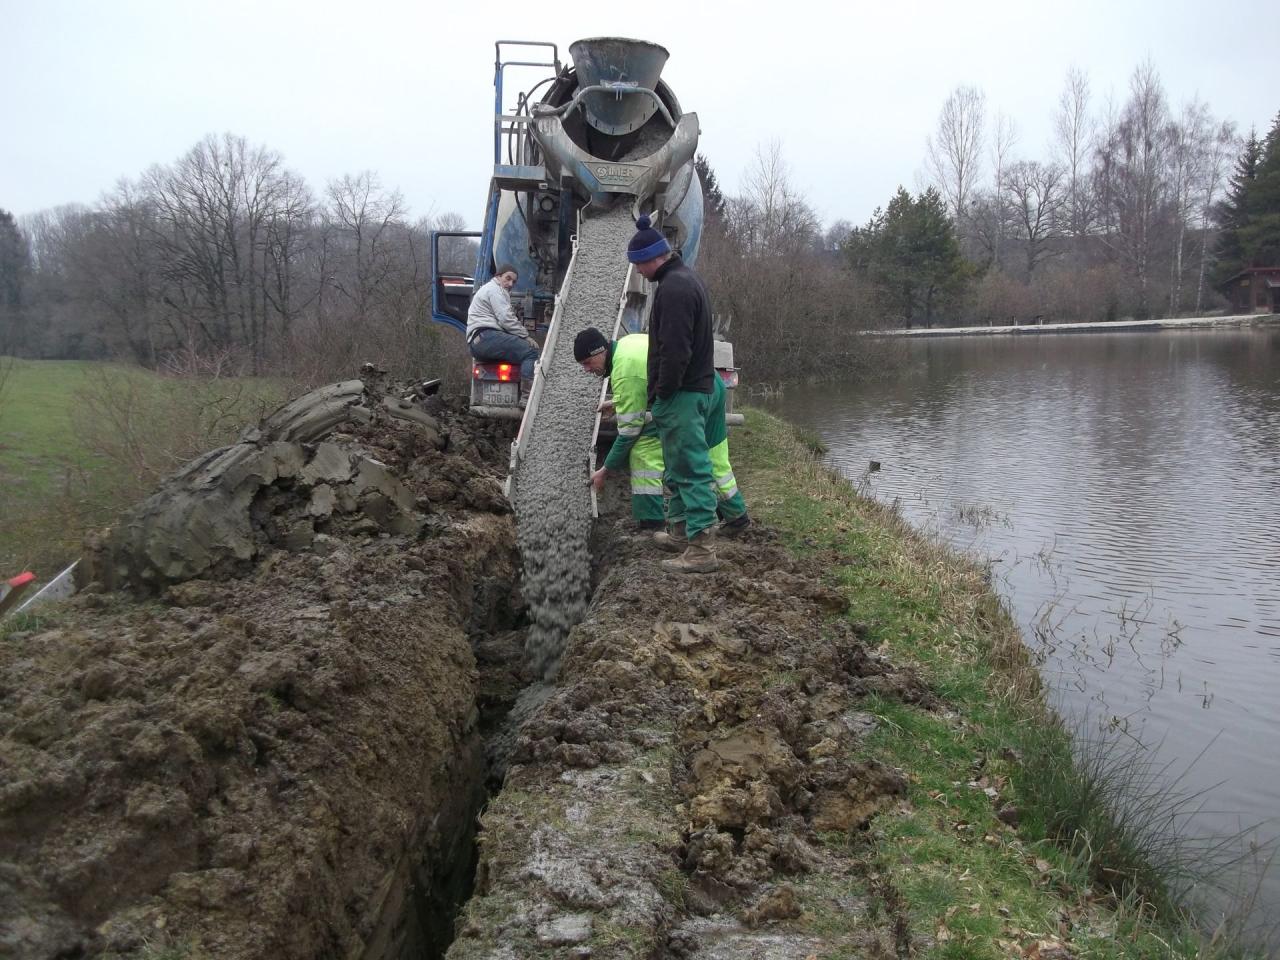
[910, 252]
[711, 192]
[1259, 235]
[1232, 213]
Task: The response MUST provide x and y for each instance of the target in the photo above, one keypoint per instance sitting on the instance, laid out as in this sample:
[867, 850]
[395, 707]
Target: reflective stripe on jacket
[628, 380]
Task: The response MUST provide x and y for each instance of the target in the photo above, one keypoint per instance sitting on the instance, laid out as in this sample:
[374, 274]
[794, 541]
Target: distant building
[1254, 290]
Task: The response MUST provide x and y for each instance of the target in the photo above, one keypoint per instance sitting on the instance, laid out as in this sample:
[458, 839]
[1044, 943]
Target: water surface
[1126, 489]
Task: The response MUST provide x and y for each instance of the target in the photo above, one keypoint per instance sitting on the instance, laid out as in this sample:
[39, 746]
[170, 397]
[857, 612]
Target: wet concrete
[550, 492]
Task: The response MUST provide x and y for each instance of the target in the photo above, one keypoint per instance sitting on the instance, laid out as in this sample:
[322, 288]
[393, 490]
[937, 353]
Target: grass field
[38, 442]
[80, 441]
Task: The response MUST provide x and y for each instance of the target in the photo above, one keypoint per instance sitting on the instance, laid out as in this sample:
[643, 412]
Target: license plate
[498, 393]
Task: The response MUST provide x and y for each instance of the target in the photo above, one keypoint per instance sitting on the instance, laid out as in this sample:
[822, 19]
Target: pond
[1125, 489]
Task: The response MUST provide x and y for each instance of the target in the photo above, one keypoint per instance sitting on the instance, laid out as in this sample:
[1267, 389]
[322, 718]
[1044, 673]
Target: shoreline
[835, 747]
[1111, 326]
[934, 612]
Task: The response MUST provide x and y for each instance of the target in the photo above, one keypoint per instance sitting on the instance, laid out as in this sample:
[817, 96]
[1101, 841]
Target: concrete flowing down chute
[604, 141]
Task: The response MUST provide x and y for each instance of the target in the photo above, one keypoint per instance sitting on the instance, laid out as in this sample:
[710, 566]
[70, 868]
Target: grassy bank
[1009, 845]
[38, 442]
[79, 441]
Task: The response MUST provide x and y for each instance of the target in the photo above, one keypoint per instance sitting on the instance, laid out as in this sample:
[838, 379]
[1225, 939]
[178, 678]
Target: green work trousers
[730, 502]
[687, 475]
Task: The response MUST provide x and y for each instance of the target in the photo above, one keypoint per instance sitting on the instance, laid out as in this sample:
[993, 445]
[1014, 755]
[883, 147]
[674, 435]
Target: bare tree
[1074, 131]
[987, 223]
[770, 216]
[214, 208]
[1037, 199]
[119, 271]
[366, 218]
[288, 240]
[1188, 151]
[834, 237]
[1131, 178]
[457, 254]
[222, 262]
[954, 152]
[1222, 147]
[1004, 136]
[100, 277]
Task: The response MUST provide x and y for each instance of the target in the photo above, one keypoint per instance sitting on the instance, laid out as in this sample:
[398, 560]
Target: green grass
[38, 442]
[42, 618]
[81, 441]
[1085, 866]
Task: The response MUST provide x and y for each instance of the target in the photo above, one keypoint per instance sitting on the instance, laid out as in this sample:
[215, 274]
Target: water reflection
[1126, 488]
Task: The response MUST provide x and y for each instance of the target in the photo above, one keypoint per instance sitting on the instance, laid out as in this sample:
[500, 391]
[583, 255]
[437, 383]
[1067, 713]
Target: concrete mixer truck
[601, 132]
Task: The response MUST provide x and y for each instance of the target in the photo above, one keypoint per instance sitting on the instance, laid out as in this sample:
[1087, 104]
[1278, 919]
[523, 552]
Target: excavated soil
[688, 788]
[261, 731]
[255, 734]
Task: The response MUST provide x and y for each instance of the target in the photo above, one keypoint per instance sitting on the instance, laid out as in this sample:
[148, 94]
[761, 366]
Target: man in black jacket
[681, 393]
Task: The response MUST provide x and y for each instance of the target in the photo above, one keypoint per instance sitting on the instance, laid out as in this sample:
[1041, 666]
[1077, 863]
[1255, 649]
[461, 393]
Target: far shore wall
[1113, 326]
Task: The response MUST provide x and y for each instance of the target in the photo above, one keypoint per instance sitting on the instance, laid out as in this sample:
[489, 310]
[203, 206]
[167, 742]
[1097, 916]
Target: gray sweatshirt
[491, 310]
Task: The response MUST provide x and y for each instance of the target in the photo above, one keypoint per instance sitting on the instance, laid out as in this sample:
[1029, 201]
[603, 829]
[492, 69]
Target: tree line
[778, 278]
[1132, 213]
[226, 260]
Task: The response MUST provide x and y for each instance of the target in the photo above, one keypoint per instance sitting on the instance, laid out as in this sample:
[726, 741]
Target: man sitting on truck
[495, 333]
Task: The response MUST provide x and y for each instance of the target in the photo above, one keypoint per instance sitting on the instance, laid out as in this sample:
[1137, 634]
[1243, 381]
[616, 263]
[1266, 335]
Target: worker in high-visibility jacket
[625, 363]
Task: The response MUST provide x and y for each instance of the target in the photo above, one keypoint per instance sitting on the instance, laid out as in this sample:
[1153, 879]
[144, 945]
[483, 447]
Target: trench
[434, 879]
[439, 877]
[564, 557]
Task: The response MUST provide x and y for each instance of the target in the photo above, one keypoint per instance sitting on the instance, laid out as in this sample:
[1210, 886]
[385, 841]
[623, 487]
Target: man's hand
[606, 407]
[597, 478]
[533, 342]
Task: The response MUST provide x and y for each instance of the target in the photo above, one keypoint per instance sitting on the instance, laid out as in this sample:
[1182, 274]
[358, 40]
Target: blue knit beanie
[647, 243]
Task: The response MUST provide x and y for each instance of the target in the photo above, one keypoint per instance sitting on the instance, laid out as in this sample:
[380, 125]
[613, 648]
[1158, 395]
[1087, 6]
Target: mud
[692, 787]
[263, 734]
[550, 492]
[256, 733]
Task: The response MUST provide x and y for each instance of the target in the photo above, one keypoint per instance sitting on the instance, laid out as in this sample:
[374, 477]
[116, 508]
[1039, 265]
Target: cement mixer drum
[617, 63]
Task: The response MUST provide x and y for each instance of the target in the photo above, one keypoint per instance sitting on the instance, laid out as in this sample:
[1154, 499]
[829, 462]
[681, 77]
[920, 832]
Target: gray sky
[99, 90]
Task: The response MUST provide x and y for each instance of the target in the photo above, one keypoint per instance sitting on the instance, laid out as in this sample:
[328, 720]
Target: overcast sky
[96, 90]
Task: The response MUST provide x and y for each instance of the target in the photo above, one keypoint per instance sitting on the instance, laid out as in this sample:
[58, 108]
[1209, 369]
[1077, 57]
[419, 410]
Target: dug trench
[260, 730]
[690, 786]
[256, 732]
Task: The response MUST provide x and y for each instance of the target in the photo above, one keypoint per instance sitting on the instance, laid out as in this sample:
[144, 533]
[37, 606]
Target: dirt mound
[347, 459]
[690, 787]
[263, 748]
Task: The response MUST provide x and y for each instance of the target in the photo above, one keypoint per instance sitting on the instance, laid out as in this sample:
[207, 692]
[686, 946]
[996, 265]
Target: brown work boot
[736, 527]
[698, 557]
[673, 539]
